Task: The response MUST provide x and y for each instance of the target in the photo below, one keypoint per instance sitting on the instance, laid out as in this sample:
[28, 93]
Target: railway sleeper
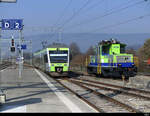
[116, 90]
[127, 107]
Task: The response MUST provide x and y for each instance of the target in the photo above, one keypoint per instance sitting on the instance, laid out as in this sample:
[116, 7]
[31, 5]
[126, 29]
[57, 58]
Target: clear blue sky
[45, 13]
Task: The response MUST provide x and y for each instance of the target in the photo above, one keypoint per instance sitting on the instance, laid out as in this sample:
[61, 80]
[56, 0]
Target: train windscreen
[58, 56]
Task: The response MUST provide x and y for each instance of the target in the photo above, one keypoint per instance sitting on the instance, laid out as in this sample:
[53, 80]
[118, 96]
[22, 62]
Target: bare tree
[90, 51]
[131, 51]
[144, 55]
[74, 50]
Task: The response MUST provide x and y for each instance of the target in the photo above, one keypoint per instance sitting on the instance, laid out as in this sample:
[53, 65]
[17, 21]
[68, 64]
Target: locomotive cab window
[105, 50]
[60, 56]
[122, 49]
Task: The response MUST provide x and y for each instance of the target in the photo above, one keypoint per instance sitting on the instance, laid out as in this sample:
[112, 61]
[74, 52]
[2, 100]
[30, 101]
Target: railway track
[122, 88]
[103, 102]
[144, 73]
[121, 91]
[85, 90]
[79, 96]
[4, 65]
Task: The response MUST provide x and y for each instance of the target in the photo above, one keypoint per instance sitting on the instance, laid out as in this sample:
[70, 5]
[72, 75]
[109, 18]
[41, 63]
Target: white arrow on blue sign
[23, 47]
[12, 24]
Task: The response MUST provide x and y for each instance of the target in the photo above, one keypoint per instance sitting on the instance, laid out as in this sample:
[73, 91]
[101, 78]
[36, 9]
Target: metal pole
[20, 55]
[60, 34]
[123, 79]
[2, 94]
[0, 47]
[22, 50]
[0, 63]
[31, 52]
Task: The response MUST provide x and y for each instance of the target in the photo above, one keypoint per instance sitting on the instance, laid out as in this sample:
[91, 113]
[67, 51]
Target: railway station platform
[35, 91]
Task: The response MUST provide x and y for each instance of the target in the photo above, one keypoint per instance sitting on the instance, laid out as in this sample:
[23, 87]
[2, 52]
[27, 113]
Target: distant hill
[85, 40]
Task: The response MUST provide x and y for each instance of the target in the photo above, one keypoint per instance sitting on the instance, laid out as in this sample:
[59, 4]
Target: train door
[99, 60]
[48, 61]
[68, 57]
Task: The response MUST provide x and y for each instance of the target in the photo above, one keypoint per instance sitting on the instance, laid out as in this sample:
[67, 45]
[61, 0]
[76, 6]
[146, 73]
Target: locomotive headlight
[119, 64]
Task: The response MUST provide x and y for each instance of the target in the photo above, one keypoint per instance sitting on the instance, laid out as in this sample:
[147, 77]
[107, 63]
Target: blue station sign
[12, 24]
[23, 47]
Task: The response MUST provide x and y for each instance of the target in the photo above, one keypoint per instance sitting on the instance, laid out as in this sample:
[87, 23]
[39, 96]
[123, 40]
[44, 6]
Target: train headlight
[133, 65]
[119, 64]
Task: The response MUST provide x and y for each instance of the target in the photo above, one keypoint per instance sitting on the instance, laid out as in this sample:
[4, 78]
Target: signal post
[2, 95]
[11, 24]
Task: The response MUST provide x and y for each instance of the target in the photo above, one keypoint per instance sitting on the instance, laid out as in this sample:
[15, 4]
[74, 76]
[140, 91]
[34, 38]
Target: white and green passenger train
[53, 59]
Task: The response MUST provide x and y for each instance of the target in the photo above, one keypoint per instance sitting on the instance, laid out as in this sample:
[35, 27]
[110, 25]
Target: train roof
[54, 45]
[109, 42]
[57, 45]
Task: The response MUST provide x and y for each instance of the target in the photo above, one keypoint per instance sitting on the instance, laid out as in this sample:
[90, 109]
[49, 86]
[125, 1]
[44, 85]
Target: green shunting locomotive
[53, 59]
[111, 60]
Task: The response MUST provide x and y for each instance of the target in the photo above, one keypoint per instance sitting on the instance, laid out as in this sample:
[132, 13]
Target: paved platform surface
[37, 92]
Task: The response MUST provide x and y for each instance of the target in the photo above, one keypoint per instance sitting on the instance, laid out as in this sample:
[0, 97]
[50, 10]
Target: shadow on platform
[20, 103]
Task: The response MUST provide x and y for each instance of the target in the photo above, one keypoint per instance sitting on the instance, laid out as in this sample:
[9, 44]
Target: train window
[58, 52]
[105, 50]
[122, 49]
[45, 58]
[58, 59]
[58, 56]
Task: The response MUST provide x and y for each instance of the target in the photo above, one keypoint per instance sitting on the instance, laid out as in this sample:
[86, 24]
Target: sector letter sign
[12, 24]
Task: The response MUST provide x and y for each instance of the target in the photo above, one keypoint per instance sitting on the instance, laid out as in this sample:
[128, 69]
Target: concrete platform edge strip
[60, 95]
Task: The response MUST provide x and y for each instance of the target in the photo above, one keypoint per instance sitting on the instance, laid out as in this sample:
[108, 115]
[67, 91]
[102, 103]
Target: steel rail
[28, 65]
[4, 65]
[117, 86]
[75, 93]
[79, 96]
[125, 106]
[115, 90]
